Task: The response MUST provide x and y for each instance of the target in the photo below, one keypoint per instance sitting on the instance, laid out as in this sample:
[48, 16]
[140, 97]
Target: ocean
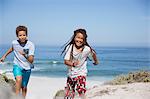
[114, 61]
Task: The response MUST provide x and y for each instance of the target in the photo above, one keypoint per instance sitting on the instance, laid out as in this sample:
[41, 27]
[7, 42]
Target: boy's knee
[24, 89]
[19, 79]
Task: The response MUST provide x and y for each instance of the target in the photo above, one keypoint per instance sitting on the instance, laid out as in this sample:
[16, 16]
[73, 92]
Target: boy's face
[79, 39]
[22, 36]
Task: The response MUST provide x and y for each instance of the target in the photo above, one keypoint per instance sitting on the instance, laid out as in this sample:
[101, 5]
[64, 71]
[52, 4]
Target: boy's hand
[2, 59]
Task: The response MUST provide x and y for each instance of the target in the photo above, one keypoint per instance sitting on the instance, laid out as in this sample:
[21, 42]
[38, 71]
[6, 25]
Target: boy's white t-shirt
[19, 59]
[80, 69]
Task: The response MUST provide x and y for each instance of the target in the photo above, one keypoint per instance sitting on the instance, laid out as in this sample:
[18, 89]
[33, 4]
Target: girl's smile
[79, 39]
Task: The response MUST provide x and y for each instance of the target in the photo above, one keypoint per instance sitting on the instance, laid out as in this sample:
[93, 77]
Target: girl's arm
[5, 55]
[95, 58]
[71, 63]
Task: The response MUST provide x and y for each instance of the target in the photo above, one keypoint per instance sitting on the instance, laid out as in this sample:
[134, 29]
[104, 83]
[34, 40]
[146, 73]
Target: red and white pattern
[75, 84]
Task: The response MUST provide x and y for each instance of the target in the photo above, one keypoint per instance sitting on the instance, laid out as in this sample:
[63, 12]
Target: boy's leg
[25, 80]
[17, 71]
[18, 84]
[24, 91]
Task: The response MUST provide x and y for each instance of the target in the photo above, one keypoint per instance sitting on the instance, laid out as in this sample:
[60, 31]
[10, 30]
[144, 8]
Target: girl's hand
[96, 62]
[75, 63]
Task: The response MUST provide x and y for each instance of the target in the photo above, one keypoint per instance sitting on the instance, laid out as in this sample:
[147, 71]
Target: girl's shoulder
[69, 47]
[87, 48]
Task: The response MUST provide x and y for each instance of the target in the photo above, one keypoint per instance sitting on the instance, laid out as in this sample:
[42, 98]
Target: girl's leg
[83, 96]
[70, 89]
[81, 86]
[18, 84]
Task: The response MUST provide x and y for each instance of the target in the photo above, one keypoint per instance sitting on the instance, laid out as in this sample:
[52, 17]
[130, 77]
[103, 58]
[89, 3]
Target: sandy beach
[46, 88]
[128, 91]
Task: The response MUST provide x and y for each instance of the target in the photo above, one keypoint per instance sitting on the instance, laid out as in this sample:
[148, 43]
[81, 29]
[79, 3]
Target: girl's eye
[79, 41]
[22, 35]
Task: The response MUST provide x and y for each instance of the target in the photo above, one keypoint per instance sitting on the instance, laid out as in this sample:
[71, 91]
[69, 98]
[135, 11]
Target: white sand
[46, 88]
[129, 91]
[43, 87]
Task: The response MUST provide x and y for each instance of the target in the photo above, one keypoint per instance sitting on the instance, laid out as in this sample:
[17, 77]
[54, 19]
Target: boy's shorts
[18, 71]
[76, 84]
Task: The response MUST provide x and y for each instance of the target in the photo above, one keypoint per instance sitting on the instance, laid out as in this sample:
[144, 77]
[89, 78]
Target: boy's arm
[30, 58]
[96, 62]
[4, 56]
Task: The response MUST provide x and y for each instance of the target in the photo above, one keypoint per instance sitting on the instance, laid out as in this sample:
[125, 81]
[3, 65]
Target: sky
[52, 22]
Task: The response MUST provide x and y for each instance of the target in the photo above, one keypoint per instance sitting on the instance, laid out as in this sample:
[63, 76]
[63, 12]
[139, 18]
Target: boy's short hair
[21, 28]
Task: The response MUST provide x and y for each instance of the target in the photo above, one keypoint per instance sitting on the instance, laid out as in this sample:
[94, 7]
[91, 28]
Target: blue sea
[113, 61]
